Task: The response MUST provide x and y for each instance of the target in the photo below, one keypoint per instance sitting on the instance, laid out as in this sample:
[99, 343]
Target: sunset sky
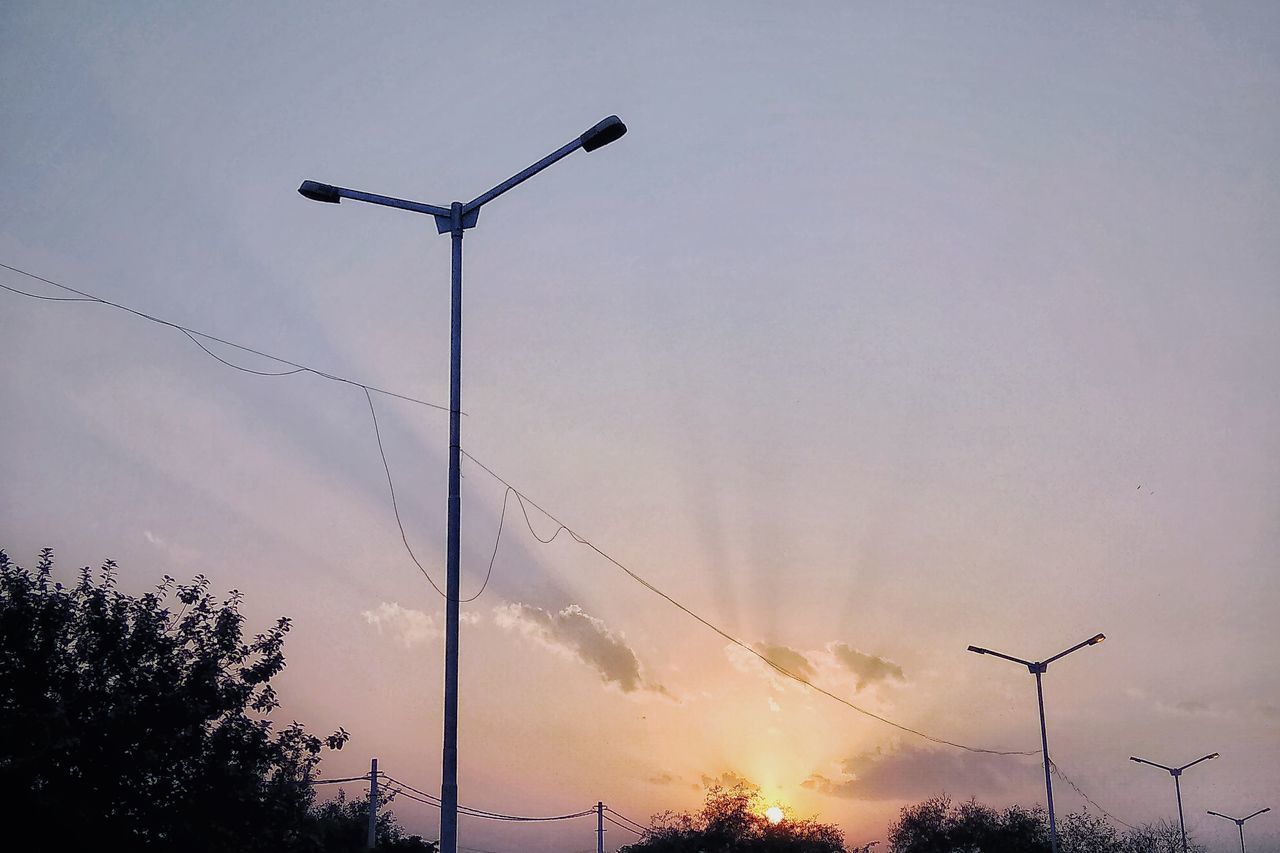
[886, 330]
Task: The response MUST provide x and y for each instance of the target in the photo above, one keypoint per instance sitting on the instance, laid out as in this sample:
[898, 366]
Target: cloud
[748, 662]
[868, 669]
[663, 778]
[787, 658]
[728, 779]
[1193, 708]
[831, 663]
[410, 627]
[172, 550]
[576, 634]
[913, 773]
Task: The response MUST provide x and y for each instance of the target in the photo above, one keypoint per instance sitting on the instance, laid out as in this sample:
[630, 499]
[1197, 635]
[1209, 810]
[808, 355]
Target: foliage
[342, 825]
[939, 826]
[732, 819]
[125, 725]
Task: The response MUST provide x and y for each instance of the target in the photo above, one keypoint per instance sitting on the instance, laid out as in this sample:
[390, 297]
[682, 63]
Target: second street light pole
[1038, 669]
[1239, 822]
[1176, 773]
[455, 219]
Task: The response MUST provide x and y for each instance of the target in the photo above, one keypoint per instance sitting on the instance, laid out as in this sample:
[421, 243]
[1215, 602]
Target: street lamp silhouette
[1176, 773]
[1239, 822]
[1038, 669]
[455, 219]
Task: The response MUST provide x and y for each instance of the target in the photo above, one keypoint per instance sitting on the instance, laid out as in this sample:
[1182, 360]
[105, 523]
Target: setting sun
[773, 814]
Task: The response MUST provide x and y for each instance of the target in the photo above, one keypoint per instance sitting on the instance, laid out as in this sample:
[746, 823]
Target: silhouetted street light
[454, 219]
[1038, 669]
[1176, 773]
[1239, 822]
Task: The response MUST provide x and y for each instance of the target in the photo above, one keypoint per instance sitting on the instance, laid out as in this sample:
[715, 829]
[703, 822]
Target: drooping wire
[395, 507]
[48, 298]
[391, 487]
[1057, 771]
[524, 510]
[217, 357]
[781, 670]
[496, 541]
[189, 332]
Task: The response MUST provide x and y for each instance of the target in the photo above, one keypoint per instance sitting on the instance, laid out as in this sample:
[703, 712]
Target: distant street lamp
[454, 219]
[1038, 669]
[1176, 773]
[1239, 822]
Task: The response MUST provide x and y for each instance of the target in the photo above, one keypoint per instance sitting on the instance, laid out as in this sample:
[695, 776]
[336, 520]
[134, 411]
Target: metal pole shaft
[1177, 787]
[599, 827]
[372, 840]
[1048, 780]
[449, 776]
[1240, 826]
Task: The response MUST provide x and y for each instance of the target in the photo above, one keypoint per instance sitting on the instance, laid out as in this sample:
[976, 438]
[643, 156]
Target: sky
[887, 329]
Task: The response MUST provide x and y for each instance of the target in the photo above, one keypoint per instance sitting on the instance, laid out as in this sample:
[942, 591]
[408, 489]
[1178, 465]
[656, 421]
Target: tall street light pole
[1038, 669]
[1239, 822]
[1176, 773]
[455, 219]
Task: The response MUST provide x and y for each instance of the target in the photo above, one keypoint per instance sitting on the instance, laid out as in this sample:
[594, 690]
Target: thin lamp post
[1239, 822]
[455, 219]
[1038, 669]
[1176, 773]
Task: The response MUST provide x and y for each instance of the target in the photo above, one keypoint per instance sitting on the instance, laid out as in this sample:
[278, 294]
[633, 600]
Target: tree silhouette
[732, 819]
[127, 725]
[939, 826]
[341, 825]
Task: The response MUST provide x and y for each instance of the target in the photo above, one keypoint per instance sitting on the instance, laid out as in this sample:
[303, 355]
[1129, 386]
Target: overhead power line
[193, 334]
[620, 825]
[623, 817]
[364, 778]
[432, 800]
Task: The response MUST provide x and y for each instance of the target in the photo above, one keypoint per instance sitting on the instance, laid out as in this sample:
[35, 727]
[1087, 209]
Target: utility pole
[373, 804]
[599, 827]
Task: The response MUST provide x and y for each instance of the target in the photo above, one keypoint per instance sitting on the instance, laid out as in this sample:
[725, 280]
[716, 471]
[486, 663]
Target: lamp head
[1097, 639]
[320, 192]
[603, 133]
[978, 650]
[1215, 755]
[1132, 758]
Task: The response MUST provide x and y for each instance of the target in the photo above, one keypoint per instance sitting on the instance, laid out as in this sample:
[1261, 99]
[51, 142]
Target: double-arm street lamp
[1176, 773]
[1038, 669]
[1239, 822]
[455, 219]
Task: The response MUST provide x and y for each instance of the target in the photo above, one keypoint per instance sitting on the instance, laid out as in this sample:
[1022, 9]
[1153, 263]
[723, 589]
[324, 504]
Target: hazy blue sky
[887, 329]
